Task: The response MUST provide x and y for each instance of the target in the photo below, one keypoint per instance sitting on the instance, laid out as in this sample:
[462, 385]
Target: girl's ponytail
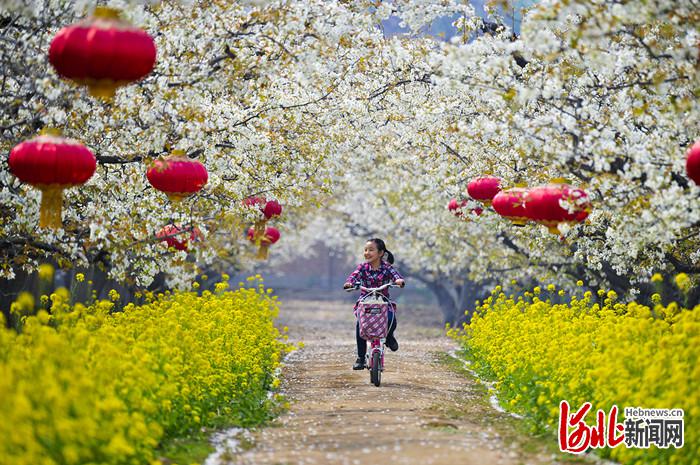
[390, 257]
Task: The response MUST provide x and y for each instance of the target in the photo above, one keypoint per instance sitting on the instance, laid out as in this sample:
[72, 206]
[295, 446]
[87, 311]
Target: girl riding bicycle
[375, 272]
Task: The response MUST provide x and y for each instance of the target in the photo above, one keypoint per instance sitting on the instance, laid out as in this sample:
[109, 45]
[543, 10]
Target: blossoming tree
[249, 90]
[602, 94]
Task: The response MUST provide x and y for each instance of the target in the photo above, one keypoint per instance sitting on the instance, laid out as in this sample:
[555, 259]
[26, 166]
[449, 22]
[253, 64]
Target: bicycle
[372, 317]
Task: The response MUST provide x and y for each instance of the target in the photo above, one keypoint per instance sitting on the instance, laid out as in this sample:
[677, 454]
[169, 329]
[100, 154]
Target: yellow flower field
[606, 353]
[83, 385]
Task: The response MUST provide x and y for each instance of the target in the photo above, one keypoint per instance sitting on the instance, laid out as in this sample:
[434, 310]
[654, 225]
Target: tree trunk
[9, 290]
[454, 299]
[446, 301]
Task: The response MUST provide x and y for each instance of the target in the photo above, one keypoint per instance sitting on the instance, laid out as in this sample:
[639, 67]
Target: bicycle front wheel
[375, 373]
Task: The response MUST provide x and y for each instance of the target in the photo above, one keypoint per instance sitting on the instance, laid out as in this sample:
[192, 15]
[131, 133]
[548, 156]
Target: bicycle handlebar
[371, 289]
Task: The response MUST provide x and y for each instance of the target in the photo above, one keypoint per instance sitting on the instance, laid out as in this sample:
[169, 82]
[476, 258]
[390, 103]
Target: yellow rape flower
[24, 304]
[89, 368]
[46, 272]
[114, 295]
[622, 353]
[683, 282]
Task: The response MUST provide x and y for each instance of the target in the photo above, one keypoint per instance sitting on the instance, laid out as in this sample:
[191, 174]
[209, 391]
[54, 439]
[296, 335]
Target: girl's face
[372, 254]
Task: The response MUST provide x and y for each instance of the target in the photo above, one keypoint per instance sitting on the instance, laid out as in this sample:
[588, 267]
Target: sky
[442, 27]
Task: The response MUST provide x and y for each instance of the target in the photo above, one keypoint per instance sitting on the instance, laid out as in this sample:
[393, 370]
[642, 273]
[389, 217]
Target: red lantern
[544, 205]
[176, 237]
[456, 207]
[263, 241]
[52, 163]
[510, 204]
[102, 52]
[272, 209]
[253, 201]
[484, 188]
[476, 211]
[177, 175]
[692, 162]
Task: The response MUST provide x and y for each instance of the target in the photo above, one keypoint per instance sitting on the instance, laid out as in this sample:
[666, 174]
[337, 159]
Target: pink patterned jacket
[367, 277]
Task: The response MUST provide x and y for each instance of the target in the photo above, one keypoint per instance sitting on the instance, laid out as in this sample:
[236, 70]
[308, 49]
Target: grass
[187, 450]
[195, 447]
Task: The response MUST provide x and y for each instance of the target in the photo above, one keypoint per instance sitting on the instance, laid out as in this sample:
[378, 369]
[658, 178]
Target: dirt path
[423, 413]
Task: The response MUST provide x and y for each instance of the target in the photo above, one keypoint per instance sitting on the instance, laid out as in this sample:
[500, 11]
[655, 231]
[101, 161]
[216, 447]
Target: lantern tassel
[263, 251]
[51, 205]
[175, 198]
[259, 230]
[553, 228]
[103, 89]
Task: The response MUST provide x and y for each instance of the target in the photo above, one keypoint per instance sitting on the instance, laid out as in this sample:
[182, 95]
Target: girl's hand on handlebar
[400, 282]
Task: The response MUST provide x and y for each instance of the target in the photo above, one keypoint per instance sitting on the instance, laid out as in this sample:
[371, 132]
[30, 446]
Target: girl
[374, 273]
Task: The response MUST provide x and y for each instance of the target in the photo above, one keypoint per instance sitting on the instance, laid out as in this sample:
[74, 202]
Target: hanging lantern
[510, 204]
[52, 163]
[484, 189]
[553, 204]
[692, 162]
[272, 209]
[476, 211]
[261, 203]
[263, 241]
[456, 207]
[253, 201]
[176, 237]
[102, 52]
[177, 175]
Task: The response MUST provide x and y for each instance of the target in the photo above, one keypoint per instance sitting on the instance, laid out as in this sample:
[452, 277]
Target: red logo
[575, 436]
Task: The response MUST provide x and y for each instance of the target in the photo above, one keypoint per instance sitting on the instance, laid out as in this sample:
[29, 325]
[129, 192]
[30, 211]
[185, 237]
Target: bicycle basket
[373, 321]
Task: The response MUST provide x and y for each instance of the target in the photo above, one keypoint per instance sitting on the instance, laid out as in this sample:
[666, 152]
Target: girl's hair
[381, 247]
